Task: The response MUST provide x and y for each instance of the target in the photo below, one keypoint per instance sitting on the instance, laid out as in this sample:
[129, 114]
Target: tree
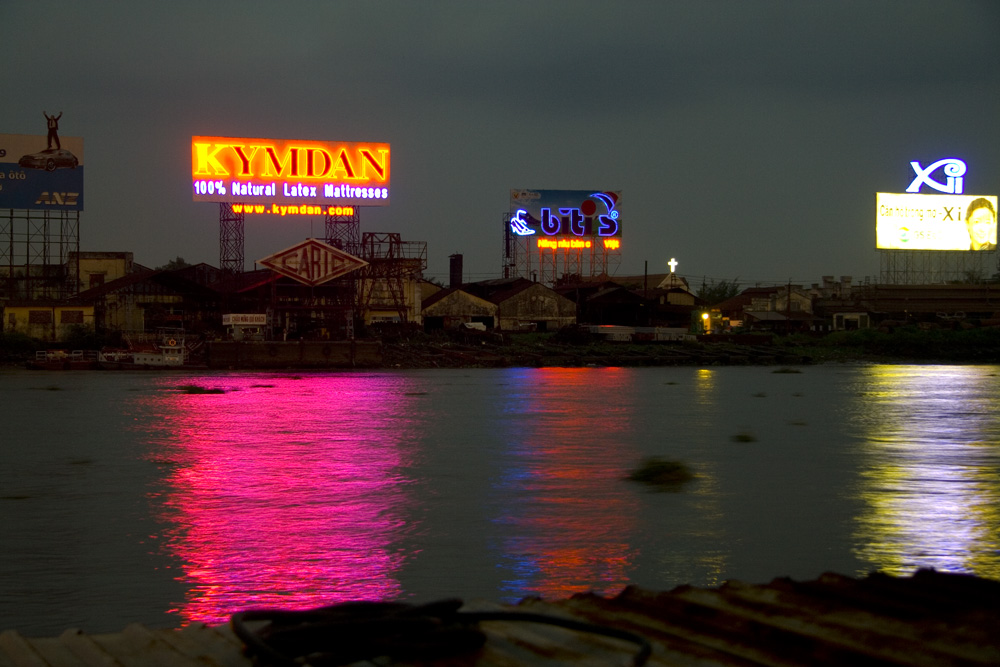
[712, 292]
[173, 265]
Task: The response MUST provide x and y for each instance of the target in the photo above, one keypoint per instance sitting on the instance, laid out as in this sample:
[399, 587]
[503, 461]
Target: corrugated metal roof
[928, 619]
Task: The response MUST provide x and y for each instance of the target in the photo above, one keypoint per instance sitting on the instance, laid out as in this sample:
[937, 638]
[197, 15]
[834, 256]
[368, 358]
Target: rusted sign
[312, 262]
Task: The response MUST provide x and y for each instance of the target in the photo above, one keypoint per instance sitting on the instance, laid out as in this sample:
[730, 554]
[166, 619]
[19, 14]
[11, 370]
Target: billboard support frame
[231, 239]
[931, 267]
[40, 248]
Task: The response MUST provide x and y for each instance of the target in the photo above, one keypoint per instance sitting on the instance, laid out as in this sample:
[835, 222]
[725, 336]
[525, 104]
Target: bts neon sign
[552, 217]
[953, 168]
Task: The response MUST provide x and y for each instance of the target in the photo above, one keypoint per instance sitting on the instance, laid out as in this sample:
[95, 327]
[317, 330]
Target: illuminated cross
[672, 264]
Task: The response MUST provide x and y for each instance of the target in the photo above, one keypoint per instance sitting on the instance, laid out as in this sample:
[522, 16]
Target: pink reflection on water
[284, 490]
[572, 515]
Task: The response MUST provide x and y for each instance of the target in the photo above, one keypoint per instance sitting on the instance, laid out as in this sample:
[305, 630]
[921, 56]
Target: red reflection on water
[572, 514]
[283, 491]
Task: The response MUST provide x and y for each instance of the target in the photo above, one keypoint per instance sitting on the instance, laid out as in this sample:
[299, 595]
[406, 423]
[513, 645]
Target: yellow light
[704, 316]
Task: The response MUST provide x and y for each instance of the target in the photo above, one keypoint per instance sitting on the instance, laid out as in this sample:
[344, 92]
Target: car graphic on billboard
[50, 160]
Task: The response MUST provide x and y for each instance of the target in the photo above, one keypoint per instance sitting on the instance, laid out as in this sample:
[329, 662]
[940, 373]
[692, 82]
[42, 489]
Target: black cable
[354, 631]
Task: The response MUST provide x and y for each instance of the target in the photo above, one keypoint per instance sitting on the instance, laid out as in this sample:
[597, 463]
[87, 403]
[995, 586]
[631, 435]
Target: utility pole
[788, 309]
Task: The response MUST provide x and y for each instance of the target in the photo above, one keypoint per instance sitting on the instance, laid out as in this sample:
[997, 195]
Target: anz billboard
[41, 173]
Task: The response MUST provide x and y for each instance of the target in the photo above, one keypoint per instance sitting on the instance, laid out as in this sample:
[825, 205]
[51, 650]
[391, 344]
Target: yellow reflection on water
[929, 485]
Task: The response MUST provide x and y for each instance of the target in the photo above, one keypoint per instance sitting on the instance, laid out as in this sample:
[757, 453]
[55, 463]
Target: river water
[167, 498]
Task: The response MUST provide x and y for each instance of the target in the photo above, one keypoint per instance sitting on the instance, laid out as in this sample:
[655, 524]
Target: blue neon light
[518, 224]
[609, 222]
[954, 169]
[551, 224]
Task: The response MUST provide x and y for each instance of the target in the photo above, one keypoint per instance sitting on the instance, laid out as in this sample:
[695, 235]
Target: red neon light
[553, 244]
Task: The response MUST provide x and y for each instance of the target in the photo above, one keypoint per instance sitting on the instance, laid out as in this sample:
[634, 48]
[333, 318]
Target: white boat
[164, 349]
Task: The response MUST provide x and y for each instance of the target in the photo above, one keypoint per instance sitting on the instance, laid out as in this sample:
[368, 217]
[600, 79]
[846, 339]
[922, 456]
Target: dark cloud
[749, 138]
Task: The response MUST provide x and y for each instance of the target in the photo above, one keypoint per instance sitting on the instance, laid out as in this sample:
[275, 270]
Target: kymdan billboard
[260, 173]
[41, 172]
[935, 222]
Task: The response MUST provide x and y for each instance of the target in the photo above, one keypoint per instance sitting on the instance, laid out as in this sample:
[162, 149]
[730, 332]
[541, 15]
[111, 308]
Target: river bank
[903, 345]
[570, 348]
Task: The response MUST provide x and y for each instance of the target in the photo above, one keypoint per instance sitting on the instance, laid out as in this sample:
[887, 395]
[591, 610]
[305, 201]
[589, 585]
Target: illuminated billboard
[41, 172]
[573, 219]
[935, 222]
[266, 172]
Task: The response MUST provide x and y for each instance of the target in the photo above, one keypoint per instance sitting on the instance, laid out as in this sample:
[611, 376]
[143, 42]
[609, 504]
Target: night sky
[748, 138]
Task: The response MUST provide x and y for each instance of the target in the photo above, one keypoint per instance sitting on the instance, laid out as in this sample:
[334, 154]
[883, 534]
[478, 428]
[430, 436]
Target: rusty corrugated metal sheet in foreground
[928, 619]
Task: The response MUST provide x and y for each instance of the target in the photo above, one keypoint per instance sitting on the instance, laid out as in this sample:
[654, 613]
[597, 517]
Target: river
[168, 498]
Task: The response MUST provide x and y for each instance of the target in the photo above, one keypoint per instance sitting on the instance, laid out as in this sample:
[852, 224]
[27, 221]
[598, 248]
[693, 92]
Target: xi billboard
[935, 222]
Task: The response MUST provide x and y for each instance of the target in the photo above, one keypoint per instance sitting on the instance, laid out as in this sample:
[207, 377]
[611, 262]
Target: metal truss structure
[231, 239]
[392, 263]
[35, 246]
[930, 267]
[546, 265]
[381, 285]
[344, 232]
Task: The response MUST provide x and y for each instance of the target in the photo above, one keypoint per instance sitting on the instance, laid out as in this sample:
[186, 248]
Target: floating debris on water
[656, 471]
[196, 389]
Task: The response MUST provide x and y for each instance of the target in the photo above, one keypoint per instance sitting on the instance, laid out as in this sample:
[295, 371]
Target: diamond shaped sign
[312, 262]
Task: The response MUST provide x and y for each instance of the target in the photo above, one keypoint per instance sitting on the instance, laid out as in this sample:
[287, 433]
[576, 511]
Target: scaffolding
[931, 267]
[547, 265]
[35, 246]
[231, 239]
[392, 265]
[343, 231]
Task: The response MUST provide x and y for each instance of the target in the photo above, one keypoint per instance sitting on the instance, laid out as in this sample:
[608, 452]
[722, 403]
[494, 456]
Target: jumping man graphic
[53, 122]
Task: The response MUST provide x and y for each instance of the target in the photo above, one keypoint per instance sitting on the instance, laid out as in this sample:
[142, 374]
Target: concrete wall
[46, 322]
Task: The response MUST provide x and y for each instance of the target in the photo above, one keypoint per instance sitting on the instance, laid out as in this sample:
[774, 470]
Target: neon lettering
[575, 220]
[203, 159]
[954, 169]
[343, 165]
[368, 158]
[244, 159]
[279, 166]
[310, 161]
[550, 223]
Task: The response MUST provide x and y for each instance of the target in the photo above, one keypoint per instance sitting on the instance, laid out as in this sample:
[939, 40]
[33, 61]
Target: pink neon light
[283, 497]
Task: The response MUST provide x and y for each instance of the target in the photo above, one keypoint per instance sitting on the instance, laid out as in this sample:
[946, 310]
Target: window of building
[39, 317]
[71, 317]
[96, 279]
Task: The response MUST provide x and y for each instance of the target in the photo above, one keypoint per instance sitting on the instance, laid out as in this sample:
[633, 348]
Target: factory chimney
[455, 275]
